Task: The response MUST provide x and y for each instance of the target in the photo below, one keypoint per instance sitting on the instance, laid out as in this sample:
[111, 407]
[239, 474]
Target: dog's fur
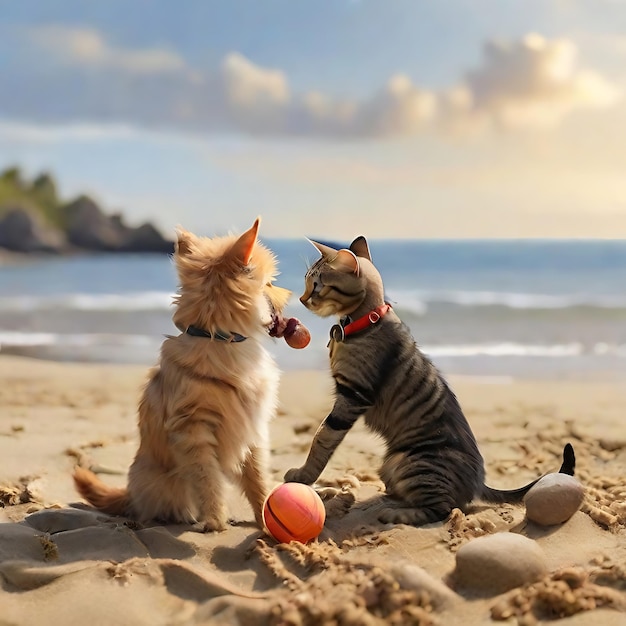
[205, 411]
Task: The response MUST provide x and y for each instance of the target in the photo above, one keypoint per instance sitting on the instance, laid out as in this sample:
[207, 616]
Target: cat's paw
[392, 511]
[337, 502]
[328, 493]
[299, 475]
[409, 516]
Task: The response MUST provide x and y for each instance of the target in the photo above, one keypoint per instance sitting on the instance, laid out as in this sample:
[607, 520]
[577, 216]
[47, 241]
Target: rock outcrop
[89, 228]
[33, 219]
[23, 230]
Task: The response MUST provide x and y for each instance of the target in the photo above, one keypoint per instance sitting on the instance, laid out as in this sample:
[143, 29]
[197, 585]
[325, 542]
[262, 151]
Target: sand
[63, 563]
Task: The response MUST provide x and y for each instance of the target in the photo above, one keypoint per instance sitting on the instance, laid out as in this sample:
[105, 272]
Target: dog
[205, 411]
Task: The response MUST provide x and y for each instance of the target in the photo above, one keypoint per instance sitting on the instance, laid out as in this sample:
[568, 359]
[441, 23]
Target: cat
[432, 463]
[205, 410]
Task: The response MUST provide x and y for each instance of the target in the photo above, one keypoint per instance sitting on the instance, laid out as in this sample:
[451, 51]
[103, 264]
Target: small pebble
[554, 499]
[413, 578]
[493, 564]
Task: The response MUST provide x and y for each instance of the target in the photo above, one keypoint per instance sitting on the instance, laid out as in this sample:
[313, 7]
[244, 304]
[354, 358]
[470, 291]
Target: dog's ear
[244, 246]
[182, 246]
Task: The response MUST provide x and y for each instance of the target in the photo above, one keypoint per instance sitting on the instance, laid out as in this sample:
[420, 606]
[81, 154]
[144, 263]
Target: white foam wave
[512, 349]
[17, 339]
[409, 301]
[418, 302]
[415, 302]
[33, 340]
[142, 301]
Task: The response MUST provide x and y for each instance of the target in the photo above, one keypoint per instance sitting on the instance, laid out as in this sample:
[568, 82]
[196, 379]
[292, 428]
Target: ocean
[498, 309]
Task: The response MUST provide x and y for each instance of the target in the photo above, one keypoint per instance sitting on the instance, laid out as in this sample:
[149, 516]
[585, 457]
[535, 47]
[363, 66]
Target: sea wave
[419, 302]
[16, 339]
[513, 349]
[141, 301]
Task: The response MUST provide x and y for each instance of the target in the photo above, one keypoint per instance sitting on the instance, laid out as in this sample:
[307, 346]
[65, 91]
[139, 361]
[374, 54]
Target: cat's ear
[244, 246]
[342, 260]
[345, 261]
[182, 247]
[326, 251]
[360, 248]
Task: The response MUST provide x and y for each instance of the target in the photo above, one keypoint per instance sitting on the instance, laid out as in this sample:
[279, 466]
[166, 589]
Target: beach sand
[62, 563]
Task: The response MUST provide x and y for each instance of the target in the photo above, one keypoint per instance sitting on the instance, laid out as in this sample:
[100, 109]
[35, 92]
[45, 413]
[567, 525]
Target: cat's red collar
[339, 332]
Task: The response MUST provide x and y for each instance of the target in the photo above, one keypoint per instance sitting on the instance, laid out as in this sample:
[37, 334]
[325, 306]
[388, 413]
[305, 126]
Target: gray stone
[59, 520]
[146, 238]
[23, 230]
[88, 227]
[494, 564]
[554, 499]
[18, 541]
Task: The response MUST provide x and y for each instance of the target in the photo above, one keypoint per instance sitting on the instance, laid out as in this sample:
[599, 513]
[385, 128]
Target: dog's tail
[111, 500]
[498, 496]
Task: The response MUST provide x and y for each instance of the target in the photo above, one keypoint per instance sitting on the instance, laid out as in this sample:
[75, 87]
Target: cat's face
[334, 285]
[226, 283]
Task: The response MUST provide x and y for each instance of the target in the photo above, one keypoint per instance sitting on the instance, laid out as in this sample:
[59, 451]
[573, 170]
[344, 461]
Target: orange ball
[294, 512]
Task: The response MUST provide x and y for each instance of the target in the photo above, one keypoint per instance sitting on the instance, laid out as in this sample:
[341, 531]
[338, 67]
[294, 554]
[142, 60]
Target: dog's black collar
[218, 335]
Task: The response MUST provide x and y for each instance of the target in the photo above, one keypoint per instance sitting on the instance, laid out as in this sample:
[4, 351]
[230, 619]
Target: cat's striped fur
[432, 463]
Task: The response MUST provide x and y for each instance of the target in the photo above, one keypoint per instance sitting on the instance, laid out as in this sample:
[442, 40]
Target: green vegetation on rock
[34, 219]
[39, 195]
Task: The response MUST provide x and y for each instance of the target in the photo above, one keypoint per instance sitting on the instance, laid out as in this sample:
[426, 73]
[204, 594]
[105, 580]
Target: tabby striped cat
[432, 463]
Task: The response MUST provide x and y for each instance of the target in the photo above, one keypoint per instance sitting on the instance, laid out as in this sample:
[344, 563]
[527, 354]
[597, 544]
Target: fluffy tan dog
[205, 411]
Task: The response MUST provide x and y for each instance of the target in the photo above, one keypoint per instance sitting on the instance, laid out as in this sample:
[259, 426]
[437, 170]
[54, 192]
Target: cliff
[33, 219]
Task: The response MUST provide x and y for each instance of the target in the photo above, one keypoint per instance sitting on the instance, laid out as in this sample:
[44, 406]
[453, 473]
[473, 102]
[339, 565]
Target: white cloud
[534, 82]
[18, 132]
[615, 44]
[79, 75]
[86, 46]
[400, 108]
[247, 85]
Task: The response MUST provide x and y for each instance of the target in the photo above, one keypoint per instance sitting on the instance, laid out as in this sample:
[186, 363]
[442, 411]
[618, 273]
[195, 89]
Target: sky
[328, 118]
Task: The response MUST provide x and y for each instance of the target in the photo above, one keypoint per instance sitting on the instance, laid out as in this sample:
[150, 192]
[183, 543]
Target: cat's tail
[111, 500]
[498, 496]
